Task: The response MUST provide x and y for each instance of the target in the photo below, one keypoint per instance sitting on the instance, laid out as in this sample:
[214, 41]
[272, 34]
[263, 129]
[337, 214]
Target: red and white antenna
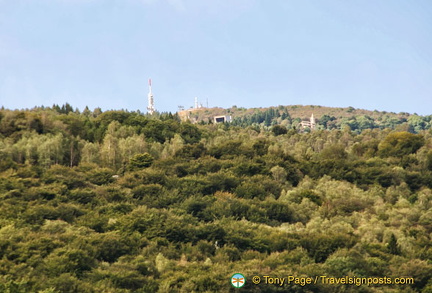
[151, 108]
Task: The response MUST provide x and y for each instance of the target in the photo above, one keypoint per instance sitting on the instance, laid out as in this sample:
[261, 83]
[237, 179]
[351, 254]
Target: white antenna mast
[151, 108]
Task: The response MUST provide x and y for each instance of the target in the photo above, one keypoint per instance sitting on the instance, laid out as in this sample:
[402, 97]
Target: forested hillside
[118, 201]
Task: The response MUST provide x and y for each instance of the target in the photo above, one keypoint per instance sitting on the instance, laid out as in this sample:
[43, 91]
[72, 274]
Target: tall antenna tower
[151, 108]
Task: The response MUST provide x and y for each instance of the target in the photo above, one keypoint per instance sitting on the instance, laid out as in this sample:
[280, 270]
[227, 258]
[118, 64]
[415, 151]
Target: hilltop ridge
[327, 117]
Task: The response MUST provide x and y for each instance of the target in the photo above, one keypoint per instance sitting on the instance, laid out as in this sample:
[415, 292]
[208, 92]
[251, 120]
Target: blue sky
[249, 53]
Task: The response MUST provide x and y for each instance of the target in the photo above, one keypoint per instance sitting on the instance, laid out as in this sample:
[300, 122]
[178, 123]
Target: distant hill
[326, 117]
[121, 201]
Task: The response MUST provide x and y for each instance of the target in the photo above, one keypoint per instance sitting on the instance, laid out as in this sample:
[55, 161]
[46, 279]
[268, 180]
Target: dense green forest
[118, 201]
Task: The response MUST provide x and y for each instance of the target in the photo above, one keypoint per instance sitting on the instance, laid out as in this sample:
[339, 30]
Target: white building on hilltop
[222, 119]
[311, 123]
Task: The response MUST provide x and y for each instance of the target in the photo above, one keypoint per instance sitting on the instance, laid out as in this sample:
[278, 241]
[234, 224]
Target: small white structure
[151, 108]
[222, 119]
[311, 123]
[197, 105]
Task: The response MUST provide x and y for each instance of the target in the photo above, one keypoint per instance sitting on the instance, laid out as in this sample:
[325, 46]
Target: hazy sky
[250, 53]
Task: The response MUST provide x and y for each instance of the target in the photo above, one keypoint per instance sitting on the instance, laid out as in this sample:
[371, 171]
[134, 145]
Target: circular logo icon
[238, 280]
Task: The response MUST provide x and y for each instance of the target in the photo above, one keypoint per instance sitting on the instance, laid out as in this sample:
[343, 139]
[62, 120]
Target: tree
[418, 123]
[190, 133]
[90, 153]
[398, 144]
[279, 130]
[393, 246]
[334, 152]
[260, 147]
[110, 151]
[325, 119]
[279, 174]
[131, 145]
[141, 161]
[50, 151]
[193, 151]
